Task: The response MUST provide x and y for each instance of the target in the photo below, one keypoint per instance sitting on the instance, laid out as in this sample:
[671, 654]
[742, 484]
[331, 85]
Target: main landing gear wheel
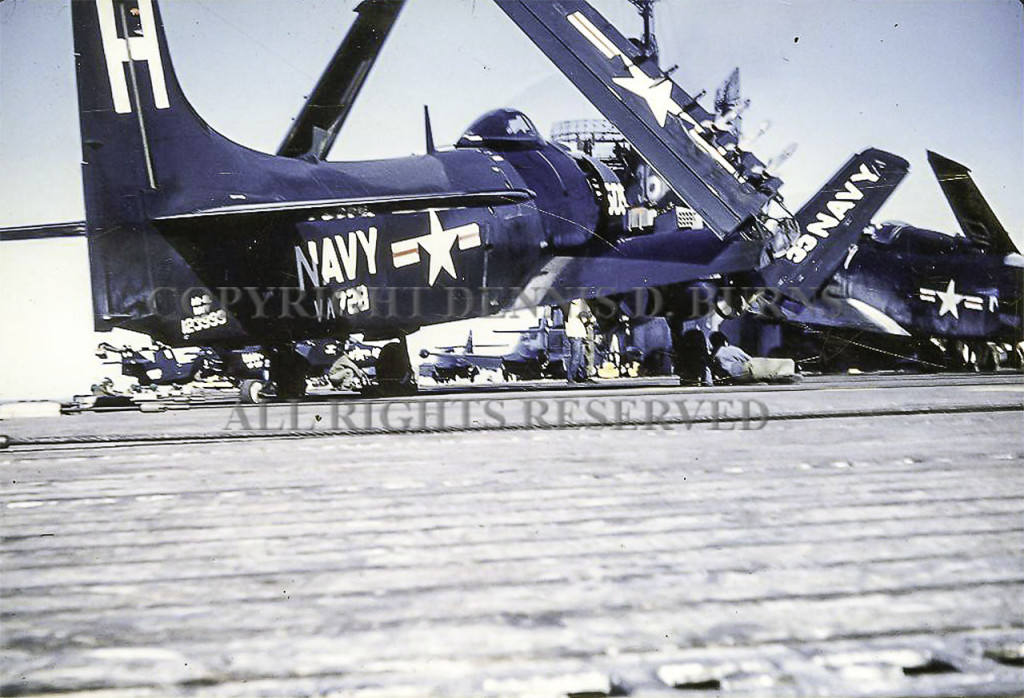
[288, 373]
[984, 358]
[291, 386]
[252, 391]
[394, 370]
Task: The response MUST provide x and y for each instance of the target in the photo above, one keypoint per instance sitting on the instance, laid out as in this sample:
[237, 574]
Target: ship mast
[649, 44]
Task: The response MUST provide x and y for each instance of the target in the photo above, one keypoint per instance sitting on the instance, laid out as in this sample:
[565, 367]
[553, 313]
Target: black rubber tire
[394, 371]
[985, 360]
[252, 391]
[291, 386]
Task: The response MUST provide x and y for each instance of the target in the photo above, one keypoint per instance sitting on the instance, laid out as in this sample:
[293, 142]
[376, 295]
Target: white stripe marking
[592, 34]
[877, 317]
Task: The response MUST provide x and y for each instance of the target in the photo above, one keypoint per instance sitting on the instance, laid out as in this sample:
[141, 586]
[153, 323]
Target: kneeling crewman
[744, 368]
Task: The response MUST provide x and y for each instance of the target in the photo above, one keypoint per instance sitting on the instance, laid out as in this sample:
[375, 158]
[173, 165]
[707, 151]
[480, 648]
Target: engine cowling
[577, 196]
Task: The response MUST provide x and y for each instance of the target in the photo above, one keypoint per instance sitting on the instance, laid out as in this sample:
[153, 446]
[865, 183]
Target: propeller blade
[779, 160]
[762, 129]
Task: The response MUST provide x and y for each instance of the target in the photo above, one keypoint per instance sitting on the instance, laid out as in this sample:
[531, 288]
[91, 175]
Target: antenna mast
[649, 44]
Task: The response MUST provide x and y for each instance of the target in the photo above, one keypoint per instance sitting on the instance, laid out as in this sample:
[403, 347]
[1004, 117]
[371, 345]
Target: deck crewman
[576, 333]
[741, 367]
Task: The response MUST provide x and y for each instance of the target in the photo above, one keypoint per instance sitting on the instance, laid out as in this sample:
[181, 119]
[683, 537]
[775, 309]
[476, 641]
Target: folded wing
[315, 128]
[673, 133]
[976, 219]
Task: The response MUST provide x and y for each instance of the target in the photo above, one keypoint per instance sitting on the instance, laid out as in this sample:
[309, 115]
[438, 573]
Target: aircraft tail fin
[138, 130]
[832, 220]
[976, 219]
[145, 153]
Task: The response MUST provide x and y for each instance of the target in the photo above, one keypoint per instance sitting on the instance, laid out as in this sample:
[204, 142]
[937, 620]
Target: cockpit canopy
[907, 238]
[502, 129]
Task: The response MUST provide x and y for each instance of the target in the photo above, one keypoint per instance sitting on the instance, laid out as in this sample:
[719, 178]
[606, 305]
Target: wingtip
[893, 160]
[938, 161]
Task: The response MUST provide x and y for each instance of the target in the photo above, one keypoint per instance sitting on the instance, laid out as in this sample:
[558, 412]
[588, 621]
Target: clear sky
[833, 76]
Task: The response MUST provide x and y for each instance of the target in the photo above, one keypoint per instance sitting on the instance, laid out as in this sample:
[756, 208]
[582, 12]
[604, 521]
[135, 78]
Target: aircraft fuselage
[931, 284]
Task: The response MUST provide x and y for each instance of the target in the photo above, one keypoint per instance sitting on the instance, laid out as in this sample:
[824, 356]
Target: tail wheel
[252, 391]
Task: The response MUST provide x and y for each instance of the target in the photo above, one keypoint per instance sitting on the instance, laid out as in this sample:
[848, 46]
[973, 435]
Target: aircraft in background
[447, 364]
[642, 344]
[916, 284]
[682, 159]
[194, 239]
[538, 352]
[899, 279]
[246, 367]
[159, 365]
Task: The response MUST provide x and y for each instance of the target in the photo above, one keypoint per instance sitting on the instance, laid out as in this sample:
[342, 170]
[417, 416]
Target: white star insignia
[950, 300]
[438, 245]
[657, 92]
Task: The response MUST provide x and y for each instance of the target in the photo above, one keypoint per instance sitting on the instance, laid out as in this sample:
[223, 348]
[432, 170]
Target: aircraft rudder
[144, 151]
[124, 71]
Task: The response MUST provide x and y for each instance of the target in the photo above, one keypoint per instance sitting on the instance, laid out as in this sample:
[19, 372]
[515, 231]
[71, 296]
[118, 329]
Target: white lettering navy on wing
[335, 258]
[844, 201]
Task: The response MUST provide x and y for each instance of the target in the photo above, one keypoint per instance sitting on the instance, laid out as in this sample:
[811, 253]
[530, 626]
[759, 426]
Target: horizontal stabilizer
[673, 133]
[832, 221]
[976, 219]
[371, 204]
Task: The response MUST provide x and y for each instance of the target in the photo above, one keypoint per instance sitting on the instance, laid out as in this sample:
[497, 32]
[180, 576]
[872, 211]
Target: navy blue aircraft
[538, 352]
[194, 239]
[541, 351]
[159, 366]
[916, 284]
